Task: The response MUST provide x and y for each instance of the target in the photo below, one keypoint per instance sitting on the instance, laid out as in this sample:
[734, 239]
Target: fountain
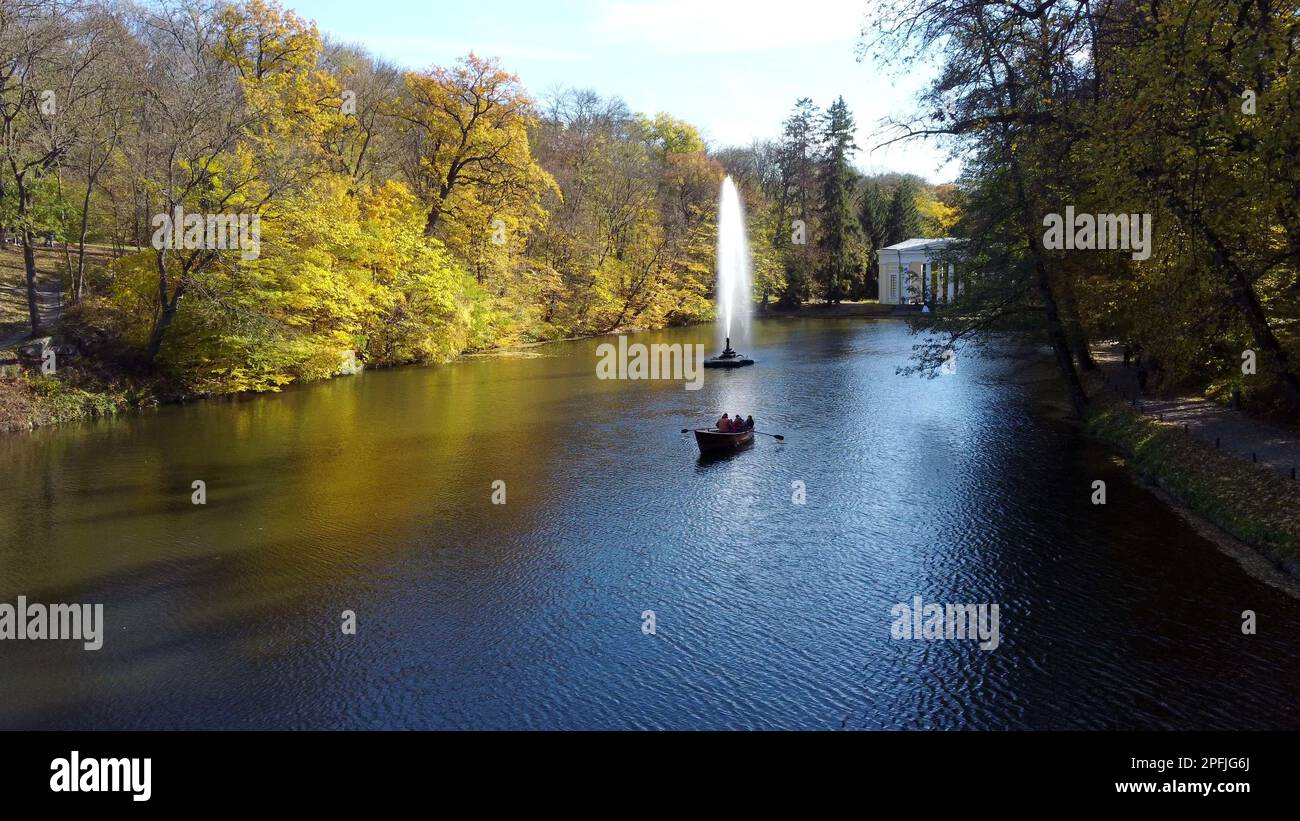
[733, 275]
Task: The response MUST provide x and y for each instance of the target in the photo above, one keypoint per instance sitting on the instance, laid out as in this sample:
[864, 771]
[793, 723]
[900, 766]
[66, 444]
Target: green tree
[1005, 94]
[798, 200]
[902, 220]
[873, 216]
[838, 236]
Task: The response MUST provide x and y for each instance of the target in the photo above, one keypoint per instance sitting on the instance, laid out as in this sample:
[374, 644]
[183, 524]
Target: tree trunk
[1051, 313]
[1243, 297]
[33, 299]
[1078, 336]
[160, 329]
[435, 211]
[169, 304]
[79, 279]
[29, 259]
[1060, 342]
[431, 224]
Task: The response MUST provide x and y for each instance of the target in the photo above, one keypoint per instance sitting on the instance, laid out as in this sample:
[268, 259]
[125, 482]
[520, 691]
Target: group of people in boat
[729, 424]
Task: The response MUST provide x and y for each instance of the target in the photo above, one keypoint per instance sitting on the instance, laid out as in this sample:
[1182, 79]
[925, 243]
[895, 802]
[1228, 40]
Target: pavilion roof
[919, 243]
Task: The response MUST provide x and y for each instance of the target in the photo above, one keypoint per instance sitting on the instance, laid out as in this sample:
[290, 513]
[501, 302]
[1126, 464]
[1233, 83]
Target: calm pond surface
[373, 494]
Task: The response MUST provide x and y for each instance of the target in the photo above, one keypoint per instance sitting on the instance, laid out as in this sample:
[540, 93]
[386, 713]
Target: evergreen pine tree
[838, 239]
[903, 221]
[873, 216]
[796, 159]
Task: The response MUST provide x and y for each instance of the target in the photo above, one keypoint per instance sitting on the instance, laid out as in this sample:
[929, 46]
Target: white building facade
[918, 271]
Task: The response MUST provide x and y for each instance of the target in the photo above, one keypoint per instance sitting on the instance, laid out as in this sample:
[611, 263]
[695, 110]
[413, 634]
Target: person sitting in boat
[724, 424]
[749, 423]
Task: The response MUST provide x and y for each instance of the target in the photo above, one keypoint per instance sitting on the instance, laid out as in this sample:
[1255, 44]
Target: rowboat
[712, 440]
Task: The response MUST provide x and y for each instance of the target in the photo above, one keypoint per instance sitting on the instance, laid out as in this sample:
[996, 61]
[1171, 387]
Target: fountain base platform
[728, 359]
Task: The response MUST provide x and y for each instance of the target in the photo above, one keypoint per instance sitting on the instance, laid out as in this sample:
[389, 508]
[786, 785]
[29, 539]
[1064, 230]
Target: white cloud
[729, 26]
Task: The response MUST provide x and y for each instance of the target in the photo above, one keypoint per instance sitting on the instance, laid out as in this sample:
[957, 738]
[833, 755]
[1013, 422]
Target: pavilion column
[952, 284]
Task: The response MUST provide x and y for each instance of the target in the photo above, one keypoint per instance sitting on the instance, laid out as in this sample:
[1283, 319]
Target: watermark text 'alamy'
[675, 361]
[214, 232]
[1098, 232]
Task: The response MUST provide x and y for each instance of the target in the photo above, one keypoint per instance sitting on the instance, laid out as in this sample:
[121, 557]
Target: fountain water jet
[733, 275]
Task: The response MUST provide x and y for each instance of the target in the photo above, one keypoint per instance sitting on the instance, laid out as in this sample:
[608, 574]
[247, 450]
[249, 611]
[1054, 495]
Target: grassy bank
[30, 400]
[871, 309]
[101, 378]
[1250, 503]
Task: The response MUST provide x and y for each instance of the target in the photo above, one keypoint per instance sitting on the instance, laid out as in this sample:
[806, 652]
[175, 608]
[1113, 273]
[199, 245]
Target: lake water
[374, 494]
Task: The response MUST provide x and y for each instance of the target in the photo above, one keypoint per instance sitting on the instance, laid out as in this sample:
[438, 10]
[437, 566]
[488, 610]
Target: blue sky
[734, 68]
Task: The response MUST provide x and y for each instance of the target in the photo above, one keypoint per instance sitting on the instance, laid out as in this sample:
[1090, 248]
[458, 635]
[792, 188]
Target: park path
[1275, 447]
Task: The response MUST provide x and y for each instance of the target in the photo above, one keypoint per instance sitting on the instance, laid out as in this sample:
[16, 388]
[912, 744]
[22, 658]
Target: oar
[778, 437]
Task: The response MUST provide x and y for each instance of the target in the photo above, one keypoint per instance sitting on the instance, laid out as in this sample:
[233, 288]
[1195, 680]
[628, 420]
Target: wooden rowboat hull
[713, 441]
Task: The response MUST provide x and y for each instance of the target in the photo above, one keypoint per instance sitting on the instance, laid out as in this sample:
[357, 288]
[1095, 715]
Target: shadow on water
[715, 457]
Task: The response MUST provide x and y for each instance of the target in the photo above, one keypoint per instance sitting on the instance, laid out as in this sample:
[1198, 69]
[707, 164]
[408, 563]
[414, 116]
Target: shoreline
[30, 401]
[1247, 511]
[1251, 560]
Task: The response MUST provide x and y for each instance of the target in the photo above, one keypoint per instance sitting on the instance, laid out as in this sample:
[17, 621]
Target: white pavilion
[918, 271]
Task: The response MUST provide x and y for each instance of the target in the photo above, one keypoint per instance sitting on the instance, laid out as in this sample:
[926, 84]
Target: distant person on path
[724, 424]
[1128, 355]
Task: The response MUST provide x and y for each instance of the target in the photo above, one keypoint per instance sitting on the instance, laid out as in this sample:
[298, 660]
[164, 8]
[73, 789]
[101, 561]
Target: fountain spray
[733, 275]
